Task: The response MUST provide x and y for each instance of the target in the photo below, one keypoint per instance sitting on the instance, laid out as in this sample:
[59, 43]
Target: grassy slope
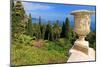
[50, 52]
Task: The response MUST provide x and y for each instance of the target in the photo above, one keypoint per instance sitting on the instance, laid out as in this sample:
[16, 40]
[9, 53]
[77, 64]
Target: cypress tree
[43, 29]
[63, 30]
[29, 26]
[67, 28]
[48, 31]
[40, 30]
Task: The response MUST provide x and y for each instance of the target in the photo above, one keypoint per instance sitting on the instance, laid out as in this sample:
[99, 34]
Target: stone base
[81, 52]
[81, 46]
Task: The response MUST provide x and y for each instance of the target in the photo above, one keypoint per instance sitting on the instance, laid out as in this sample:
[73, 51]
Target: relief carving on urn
[82, 22]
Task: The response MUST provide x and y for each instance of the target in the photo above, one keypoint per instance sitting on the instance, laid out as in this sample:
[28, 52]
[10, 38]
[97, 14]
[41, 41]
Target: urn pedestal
[80, 50]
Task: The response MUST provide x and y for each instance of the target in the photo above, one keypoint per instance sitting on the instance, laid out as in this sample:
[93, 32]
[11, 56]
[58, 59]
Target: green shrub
[53, 45]
[24, 39]
[65, 43]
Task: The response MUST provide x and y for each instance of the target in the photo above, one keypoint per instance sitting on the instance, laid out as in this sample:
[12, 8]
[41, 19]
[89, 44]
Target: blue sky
[52, 12]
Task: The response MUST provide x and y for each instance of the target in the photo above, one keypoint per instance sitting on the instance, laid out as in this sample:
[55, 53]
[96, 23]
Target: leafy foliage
[92, 39]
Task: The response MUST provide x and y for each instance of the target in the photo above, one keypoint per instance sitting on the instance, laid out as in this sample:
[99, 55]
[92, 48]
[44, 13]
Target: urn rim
[82, 11]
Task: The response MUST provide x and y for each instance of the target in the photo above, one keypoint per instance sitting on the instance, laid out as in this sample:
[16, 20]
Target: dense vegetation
[39, 43]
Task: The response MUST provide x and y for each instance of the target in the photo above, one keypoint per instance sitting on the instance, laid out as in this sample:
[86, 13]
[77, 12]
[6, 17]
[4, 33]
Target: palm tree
[56, 31]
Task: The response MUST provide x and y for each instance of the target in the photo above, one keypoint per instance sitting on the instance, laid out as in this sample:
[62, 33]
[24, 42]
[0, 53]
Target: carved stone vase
[81, 28]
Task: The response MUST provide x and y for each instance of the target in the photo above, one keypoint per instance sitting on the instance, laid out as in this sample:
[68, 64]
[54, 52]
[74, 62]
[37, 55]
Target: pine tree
[18, 17]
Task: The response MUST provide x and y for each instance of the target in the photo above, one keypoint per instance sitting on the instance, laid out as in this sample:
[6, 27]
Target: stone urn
[81, 28]
[82, 22]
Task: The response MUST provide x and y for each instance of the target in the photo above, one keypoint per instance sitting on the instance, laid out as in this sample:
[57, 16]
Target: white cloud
[35, 6]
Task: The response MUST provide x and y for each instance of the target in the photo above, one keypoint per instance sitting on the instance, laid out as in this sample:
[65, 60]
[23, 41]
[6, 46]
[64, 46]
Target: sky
[52, 11]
